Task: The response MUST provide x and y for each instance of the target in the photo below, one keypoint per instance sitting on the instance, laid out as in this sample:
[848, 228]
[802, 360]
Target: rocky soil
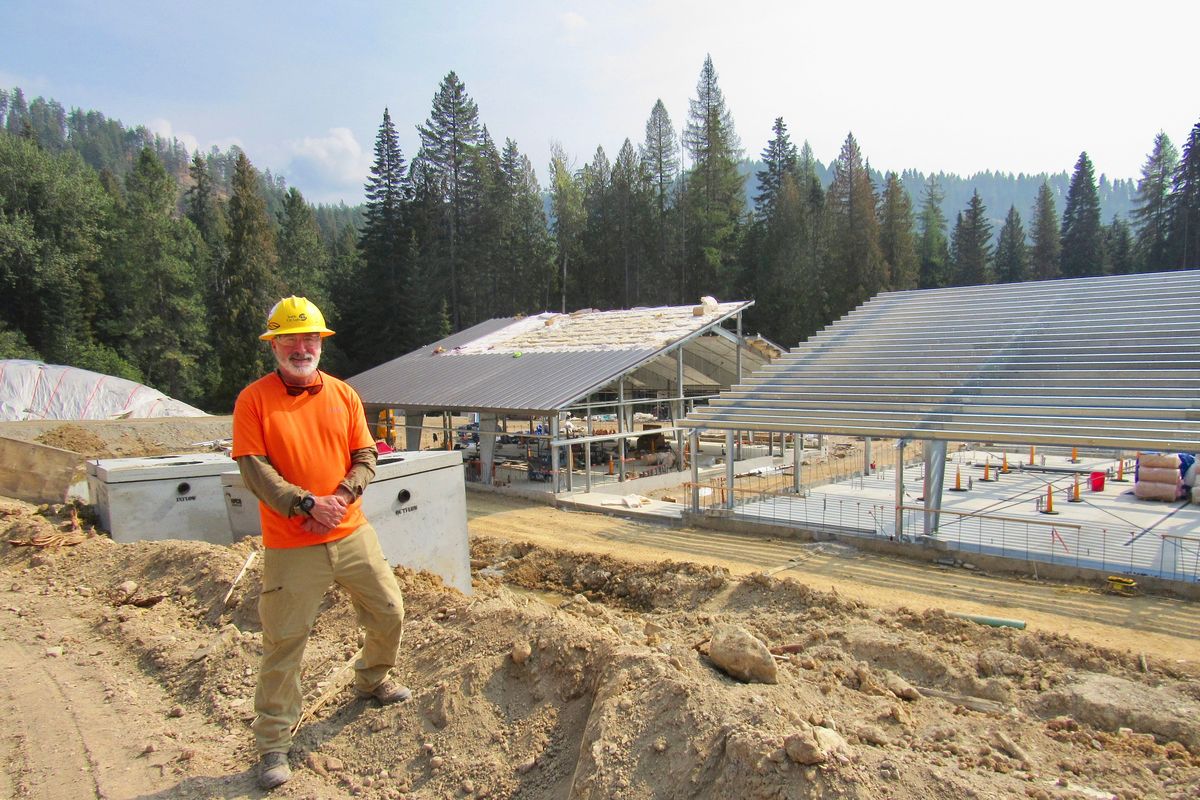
[128, 671]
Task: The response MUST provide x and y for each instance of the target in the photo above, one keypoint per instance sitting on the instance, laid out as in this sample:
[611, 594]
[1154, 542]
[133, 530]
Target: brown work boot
[387, 692]
[273, 770]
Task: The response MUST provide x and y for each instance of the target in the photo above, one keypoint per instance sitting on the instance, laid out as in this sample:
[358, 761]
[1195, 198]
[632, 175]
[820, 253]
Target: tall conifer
[713, 190]
[857, 270]
[897, 239]
[1044, 258]
[449, 140]
[1012, 253]
[971, 245]
[933, 248]
[253, 287]
[1082, 237]
[1183, 243]
[1151, 215]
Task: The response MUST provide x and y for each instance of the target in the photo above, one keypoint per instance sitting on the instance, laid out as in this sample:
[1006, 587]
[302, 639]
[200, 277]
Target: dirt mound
[574, 675]
[124, 438]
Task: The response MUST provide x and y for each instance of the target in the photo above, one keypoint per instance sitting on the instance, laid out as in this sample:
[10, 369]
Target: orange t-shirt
[308, 439]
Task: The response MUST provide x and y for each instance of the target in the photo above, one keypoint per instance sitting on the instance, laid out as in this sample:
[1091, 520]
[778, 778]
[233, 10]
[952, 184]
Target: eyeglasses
[296, 391]
[293, 339]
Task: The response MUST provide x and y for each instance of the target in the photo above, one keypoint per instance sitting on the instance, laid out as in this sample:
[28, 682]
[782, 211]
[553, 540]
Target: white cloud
[166, 130]
[573, 25]
[324, 166]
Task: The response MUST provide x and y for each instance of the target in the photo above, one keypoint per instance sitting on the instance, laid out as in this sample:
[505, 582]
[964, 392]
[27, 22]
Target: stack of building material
[1159, 477]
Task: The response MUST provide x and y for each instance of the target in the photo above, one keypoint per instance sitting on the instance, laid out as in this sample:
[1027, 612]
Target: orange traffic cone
[1120, 471]
[1032, 452]
[987, 473]
[1074, 455]
[1049, 507]
[958, 487]
[1004, 464]
[1074, 496]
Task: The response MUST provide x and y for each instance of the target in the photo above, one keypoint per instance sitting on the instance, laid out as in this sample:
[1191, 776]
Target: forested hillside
[123, 253]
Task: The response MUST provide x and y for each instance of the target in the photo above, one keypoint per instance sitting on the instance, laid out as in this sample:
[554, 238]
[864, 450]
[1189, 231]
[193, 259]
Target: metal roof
[546, 362]
[1109, 362]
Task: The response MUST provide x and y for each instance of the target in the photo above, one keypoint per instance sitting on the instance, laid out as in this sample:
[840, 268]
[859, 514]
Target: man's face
[297, 355]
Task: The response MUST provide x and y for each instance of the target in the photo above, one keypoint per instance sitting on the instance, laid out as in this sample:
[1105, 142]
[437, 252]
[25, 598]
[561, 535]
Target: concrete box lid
[153, 468]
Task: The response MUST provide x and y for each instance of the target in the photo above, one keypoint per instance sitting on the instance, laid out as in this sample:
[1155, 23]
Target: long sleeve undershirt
[283, 497]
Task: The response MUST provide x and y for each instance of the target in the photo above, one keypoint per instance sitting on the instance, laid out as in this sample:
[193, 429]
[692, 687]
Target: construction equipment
[1125, 587]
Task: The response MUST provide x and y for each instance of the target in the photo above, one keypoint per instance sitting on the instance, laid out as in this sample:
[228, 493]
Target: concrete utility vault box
[417, 503]
[161, 497]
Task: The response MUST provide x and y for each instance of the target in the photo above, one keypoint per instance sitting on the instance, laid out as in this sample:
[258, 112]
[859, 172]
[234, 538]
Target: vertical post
[621, 430]
[694, 444]
[554, 459]
[899, 488]
[587, 451]
[738, 365]
[679, 405]
[935, 476]
[867, 455]
[797, 460]
[729, 468]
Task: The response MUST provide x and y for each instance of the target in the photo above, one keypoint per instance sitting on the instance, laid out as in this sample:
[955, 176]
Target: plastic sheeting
[33, 390]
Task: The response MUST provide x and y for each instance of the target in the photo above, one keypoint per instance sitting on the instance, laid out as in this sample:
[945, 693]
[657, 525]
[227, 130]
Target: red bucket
[1097, 481]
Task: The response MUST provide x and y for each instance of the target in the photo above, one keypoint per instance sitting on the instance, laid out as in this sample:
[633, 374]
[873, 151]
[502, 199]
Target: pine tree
[1183, 242]
[897, 239]
[971, 245]
[660, 162]
[713, 190]
[528, 247]
[1012, 254]
[568, 219]
[932, 248]
[598, 279]
[207, 213]
[1082, 237]
[253, 287]
[303, 258]
[1044, 253]
[376, 332]
[631, 213]
[856, 270]
[1119, 248]
[1151, 215]
[780, 158]
[159, 314]
[449, 139]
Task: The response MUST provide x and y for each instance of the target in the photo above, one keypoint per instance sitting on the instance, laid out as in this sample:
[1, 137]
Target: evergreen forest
[123, 253]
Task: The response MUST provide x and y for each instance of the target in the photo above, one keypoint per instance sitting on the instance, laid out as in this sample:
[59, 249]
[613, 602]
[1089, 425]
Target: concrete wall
[36, 473]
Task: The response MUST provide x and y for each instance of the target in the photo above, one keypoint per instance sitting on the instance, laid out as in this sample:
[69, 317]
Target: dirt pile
[565, 675]
[124, 438]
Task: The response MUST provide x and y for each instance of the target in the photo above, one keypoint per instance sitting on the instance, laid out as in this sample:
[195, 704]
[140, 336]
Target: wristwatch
[306, 504]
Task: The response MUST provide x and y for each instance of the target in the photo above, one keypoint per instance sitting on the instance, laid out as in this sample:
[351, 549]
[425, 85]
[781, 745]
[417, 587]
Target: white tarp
[33, 390]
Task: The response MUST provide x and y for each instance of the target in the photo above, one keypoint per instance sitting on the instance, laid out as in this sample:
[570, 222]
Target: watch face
[307, 504]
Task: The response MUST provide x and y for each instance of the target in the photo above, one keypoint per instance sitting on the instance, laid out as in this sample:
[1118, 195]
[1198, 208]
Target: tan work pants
[294, 581]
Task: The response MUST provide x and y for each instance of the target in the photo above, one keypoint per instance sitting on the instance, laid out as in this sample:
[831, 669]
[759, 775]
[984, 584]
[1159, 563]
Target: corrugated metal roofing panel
[1108, 362]
[480, 368]
[500, 382]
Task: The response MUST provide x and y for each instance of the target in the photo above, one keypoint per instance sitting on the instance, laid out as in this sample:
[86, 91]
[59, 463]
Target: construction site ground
[580, 667]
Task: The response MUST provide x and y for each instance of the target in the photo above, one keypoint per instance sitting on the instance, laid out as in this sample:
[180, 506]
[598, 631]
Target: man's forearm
[362, 470]
[269, 486]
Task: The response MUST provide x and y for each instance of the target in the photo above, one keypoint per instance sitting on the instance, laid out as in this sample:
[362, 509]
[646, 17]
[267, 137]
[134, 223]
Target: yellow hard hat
[295, 315]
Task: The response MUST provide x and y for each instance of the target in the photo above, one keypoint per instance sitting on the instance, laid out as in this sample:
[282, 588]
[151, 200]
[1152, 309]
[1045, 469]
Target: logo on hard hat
[272, 325]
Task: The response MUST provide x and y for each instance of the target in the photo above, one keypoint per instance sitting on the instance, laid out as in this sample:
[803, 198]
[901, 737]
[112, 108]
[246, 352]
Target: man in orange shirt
[301, 442]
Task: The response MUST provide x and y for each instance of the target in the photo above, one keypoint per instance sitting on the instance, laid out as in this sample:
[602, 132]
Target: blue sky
[936, 86]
